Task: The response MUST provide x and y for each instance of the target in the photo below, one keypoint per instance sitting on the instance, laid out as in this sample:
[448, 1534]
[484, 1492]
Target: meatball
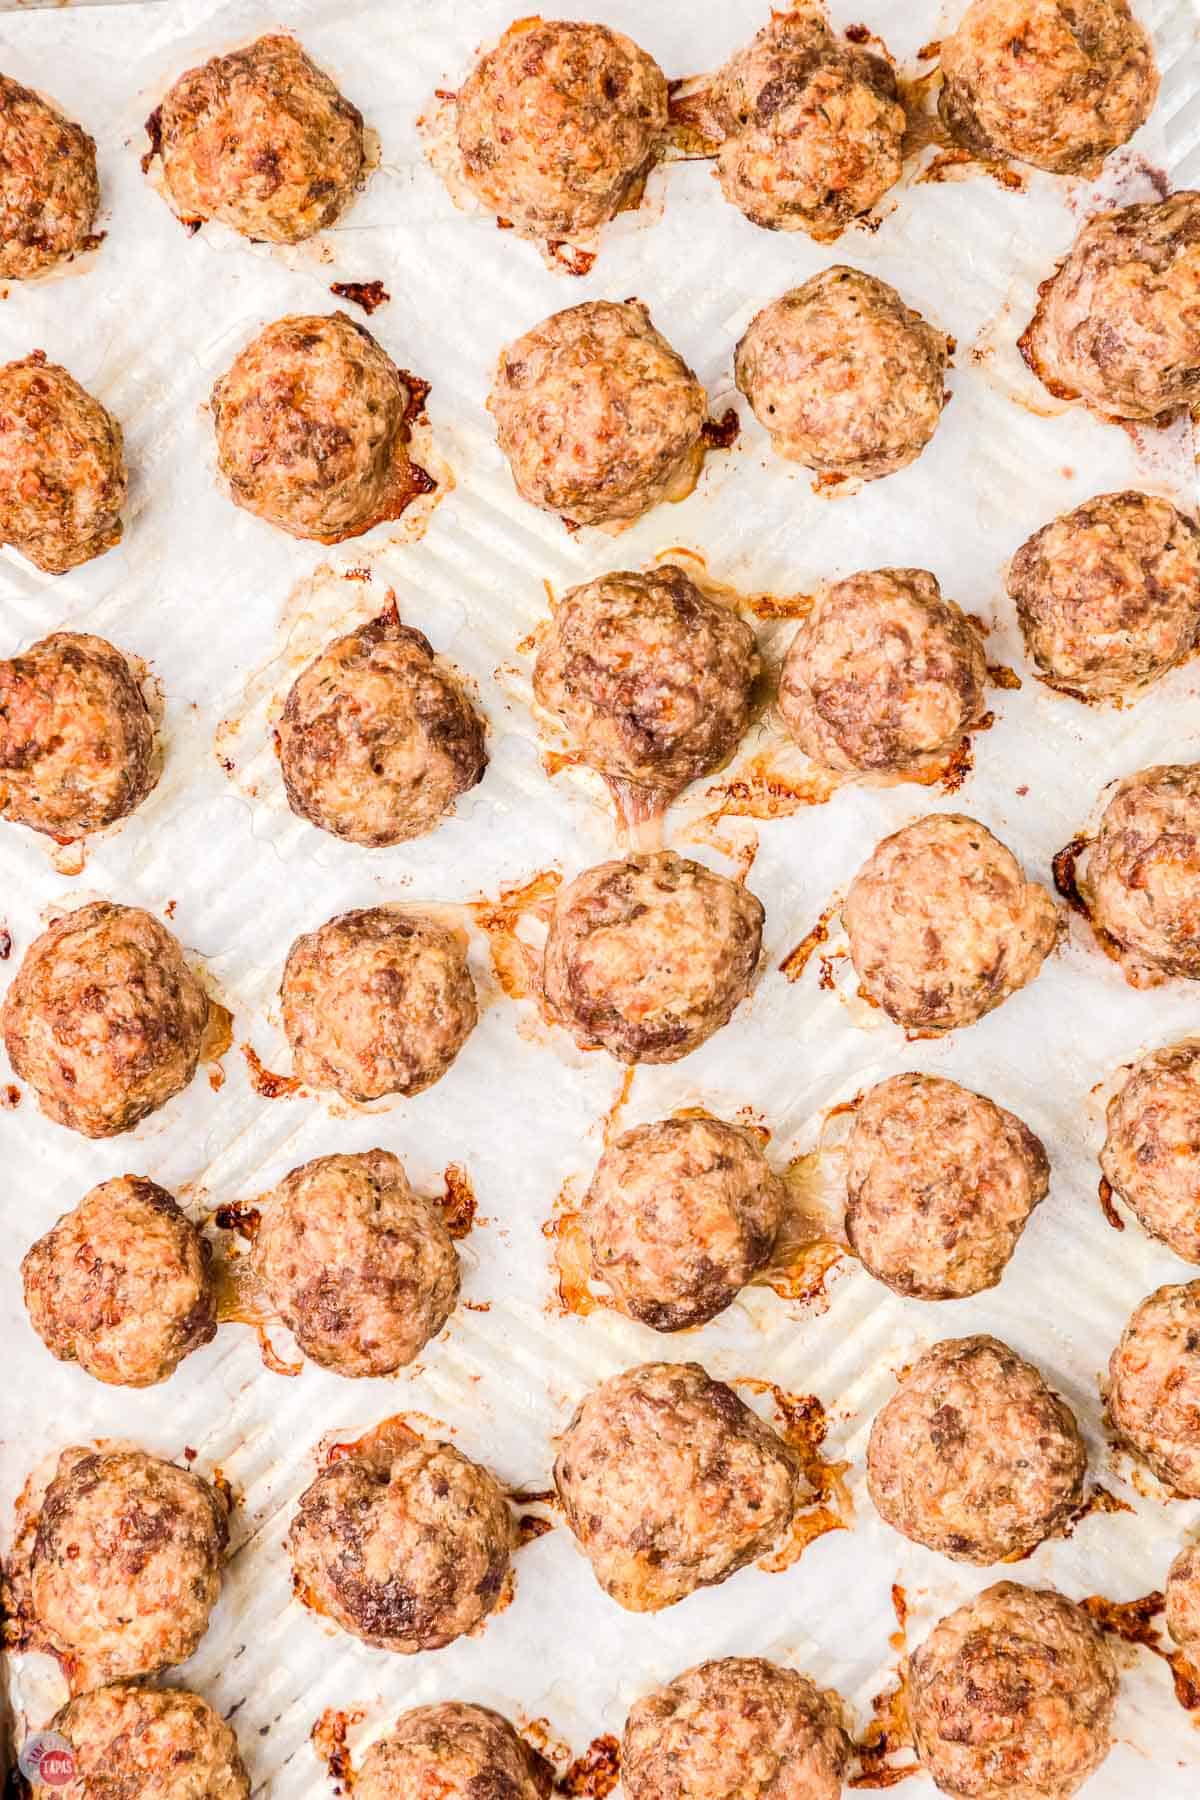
[1154, 1385]
[377, 1002]
[104, 1020]
[126, 1562]
[975, 1456]
[1012, 1697]
[377, 739]
[653, 680]
[1183, 1599]
[943, 925]
[137, 1743]
[262, 140]
[455, 1750]
[1118, 323]
[940, 1183]
[122, 1285]
[312, 429]
[1151, 1155]
[49, 190]
[406, 1544]
[599, 418]
[813, 128]
[360, 1268]
[1048, 82]
[62, 467]
[884, 676]
[1142, 882]
[559, 124]
[847, 379]
[670, 1483]
[680, 1215]
[646, 958]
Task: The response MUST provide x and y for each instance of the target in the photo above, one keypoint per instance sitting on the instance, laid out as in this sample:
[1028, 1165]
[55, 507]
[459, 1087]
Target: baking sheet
[225, 609]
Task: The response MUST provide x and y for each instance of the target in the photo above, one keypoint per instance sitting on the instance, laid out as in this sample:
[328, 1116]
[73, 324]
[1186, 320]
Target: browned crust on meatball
[1142, 878]
[137, 1743]
[1151, 1154]
[458, 1751]
[1183, 1598]
[49, 189]
[62, 467]
[1154, 1385]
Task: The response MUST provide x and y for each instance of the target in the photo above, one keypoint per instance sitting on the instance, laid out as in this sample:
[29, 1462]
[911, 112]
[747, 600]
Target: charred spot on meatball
[1151, 1154]
[1154, 1385]
[49, 190]
[62, 467]
[1183, 1599]
[460, 1750]
[1141, 884]
[147, 1744]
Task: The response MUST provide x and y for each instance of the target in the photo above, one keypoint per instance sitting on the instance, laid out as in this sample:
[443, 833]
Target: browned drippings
[6, 944]
[218, 1033]
[831, 479]
[1057, 389]
[11, 1097]
[1002, 676]
[1066, 878]
[803, 1275]
[762, 791]
[804, 1428]
[888, 1733]
[797, 959]
[722, 433]
[620, 1100]
[570, 257]
[517, 967]
[572, 1258]
[640, 808]
[264, 1081]
[955, 162]
[692, 131]
[779, 606]
[418, 391]
[154, 133]
[377, 1442]
[458, 1201]
[370, 295]
[239, 1216]
[1130, 1620]
[530, 1527]
[595, 1773]
[555, 761]
[216, 1077]
[1107, 1207]
[328, 1737]
[1098, 1501]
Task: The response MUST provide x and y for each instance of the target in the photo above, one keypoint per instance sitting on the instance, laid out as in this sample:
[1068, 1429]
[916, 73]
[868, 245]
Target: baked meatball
[1183, 1599]
[943, 925]
[1048, 82]
[653, 680]
[884, 676]
[312, 429]
[455, 1750]
[559, 124]
[360, 1268]
[137, 1743]
[1154, 1385]
[122, 1285]
[939, 1185]
[377, 739]
[49, 190]
[847, 379]
[377, 1002]
[262, 140]
[670, 1483]
[813, 127]
[737, 1726]
[1151, 1155]
[1142, 881]
[62, 467]
[680, 1215]
[646, 958]
[126, 1563]
[104, 1020]
[1012, 1697]
[1118, 323]
[405, 1543]
[599, 418]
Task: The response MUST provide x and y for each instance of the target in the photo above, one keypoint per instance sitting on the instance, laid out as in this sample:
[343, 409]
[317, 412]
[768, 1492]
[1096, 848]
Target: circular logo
[47, 1758]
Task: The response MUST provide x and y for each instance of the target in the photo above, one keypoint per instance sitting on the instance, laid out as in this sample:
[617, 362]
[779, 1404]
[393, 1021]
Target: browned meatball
[884, 676]
[943, 925]
[1151, 1155]
[457, 1751]
[62, 467]
[1142, 880]
[739, 1726]
[406, 1544]
[940, 1183]
[1183, 1599]
[1118, 323]
[122, 1285]
[126, 1562]
[1012, 1697]
[377, 739]
[49, 190]
[558, 125]
[377, 1002]
[358, 1266]
[670, 1483]
[846, 378]
[262, 140]
[652, 679]
[599, 418]
[680, 1215]
[813, 128]
[104, 1020]
[975, 1456]
[649, 956]
[1154, 1385]
[312, 429]
[137, 1743]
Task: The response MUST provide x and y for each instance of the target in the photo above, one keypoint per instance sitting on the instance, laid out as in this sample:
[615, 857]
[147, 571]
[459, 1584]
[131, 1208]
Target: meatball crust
[262, 140]
[653, 680]
[62, 467]
[1154, 1385]
[680, 1215]
[599, 418]
[360, 1268]
[1142, 881]
[558, 125]
[377, 739]
[1183, 1599]
[377, 1002]
[404, 1543]
[455, 1750]
[49, 189]
[126, 1561]
[646, 958]
[847, 379]
[884, 676]
[1012, 1697]
[138, 1743]
[104, 1019]
[122, 1285]
[1151, 1155]
[943, 925]
[974, 1455]
[670, 1483]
